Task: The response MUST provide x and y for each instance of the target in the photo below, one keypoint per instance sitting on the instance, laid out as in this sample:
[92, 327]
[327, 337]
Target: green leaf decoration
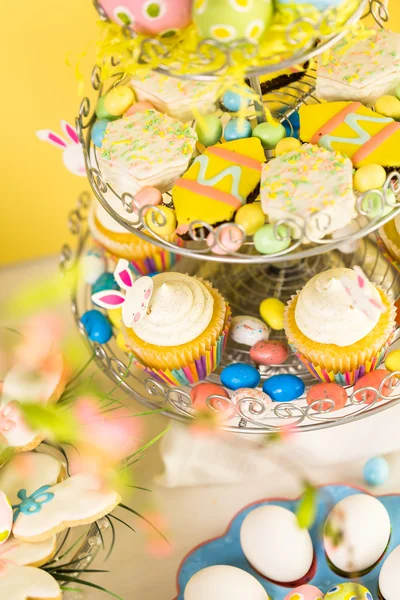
[145, 446]
[60, 423]
[307, 509]
[112, 539]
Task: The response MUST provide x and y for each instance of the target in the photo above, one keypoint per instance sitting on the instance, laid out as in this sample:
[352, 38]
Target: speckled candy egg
[150, 17]
[226, 21]
[374, 380]
[200, 392]
[237, 129]
[6, 518]
[240, 375]
[331, 391]
[248, 330]
[348, 591]
[271, 352]
[305, 592]
[98, 327]
[284, 388]
[252, 402]
[106, 281]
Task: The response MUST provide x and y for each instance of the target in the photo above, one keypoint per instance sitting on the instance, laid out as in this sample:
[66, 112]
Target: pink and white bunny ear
[123, 275]
[356, 289]
[46, 135]
[109, 299]
[69, 130]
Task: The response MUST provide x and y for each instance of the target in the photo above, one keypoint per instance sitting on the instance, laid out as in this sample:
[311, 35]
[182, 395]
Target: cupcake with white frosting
[182, 337]
[340, 325]
[390, 234]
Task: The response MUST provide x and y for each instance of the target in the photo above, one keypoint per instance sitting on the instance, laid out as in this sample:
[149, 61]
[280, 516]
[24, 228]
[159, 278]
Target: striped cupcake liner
[348, 377]
[162, 261]
[385, 253]
[196, 371]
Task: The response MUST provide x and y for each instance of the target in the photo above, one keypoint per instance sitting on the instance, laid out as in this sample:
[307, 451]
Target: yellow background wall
[38, 91]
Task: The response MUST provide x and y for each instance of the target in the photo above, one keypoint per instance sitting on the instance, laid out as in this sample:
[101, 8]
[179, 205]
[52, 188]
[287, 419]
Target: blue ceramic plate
[226, 549]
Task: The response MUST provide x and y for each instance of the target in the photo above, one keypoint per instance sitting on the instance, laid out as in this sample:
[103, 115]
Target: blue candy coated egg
[239, 375]
[294, 120]
[376, 471]
[233, 101]
[106, 281]
[98, 132]
[237, 129]
[283, 388]
[97, 326]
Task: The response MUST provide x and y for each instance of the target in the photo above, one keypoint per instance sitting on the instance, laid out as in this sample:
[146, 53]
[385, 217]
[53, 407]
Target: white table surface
[192, 514]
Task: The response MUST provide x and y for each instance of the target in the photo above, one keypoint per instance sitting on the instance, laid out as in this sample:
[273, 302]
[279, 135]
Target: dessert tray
[226, 549]
[281, 281]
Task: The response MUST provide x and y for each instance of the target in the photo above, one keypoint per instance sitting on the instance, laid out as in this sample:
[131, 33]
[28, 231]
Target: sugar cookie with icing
[353, 130]
[27, 583]
[218, 182]
[26, 554]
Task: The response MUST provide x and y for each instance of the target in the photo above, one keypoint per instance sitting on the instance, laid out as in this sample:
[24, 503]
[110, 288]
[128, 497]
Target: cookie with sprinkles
[363, 71]
[311, 187]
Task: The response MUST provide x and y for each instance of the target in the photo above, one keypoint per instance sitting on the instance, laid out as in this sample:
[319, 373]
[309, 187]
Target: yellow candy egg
[271, 311]
[118, 100]
[389, 106]
[120, 341]
[115, 316]
[287, 145]
[369, 177]
[250, 217]
[392, 362]
[161, 220]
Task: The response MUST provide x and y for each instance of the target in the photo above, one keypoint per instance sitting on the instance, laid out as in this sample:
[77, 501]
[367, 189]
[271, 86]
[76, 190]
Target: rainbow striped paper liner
[163, 261]
[349, 377]
[199, 369]
[385, 253]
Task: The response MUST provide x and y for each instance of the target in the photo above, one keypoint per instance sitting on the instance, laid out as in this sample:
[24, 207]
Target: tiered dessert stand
[236, 273]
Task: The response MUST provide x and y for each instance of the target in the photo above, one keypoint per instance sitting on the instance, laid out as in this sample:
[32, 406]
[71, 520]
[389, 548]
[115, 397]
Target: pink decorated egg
[330, 391]
[6, 518]
[200, 392]
[150, 17]
[148, 196]
[305, 592]
[374, 380]
[139, 107]
[269, 352]
[228, 239]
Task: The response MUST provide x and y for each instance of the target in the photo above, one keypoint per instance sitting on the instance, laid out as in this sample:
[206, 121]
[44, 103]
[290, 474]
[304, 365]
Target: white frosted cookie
[27, 583]
[364, 71]
[77, 500]
[145, 149]
[176, 97]
[29, 471]
[312, 187]
[27, 553]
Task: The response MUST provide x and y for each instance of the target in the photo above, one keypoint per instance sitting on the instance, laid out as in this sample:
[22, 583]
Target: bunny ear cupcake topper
[357, 292]
[135, 302]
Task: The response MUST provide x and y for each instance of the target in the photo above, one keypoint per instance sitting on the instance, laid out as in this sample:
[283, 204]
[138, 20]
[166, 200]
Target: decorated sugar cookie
[28, 554]
[30, 470]
[6, 518]
[27, 583]
[353, 130]
[50, 509]
[14, 431]
[149, 16]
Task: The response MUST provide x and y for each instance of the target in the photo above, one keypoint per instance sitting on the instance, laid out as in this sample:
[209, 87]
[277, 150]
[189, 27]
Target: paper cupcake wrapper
[347, 377]
[385, 251]
[158, 263]
[391, 249]
[196, 371]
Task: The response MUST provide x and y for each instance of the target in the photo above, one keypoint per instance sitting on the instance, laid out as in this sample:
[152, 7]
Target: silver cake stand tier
[305, 39]
[280, 280]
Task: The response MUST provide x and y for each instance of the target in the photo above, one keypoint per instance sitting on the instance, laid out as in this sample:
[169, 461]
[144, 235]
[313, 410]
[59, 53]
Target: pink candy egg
[139, 107]
[331, 391]
[374, 380]
[305, 592]
[269, 352]
[230, 238]
[200, 392]
[148, 195]
[150, 17]
[249, 409]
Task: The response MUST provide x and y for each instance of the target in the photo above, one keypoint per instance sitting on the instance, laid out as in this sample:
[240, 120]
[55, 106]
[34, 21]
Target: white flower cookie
[26, 583]
[28, 554]
[50, 509]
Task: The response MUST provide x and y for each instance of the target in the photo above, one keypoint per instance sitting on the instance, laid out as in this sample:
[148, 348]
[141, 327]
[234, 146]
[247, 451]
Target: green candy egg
[101, 112]
[209, 130]
[372, 204]
[228, 21]
[266, 242]
[269, 134]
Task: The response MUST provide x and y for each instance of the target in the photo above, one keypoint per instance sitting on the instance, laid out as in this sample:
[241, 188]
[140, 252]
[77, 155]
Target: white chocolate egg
[6, 518]
[248, 330]
[275, 545]
[222, 582]
[389, 577]
[362, 525]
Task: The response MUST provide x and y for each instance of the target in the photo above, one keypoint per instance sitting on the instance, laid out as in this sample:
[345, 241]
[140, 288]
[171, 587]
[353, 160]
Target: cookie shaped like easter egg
[150, 17]
[6, 518]
[228, 21]
[348, 591]
[248, 330]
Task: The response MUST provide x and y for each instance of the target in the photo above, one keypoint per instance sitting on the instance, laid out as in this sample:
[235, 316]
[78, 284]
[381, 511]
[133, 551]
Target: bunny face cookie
[27, 583]
[72, 150]
[137, 295]
[48, 510]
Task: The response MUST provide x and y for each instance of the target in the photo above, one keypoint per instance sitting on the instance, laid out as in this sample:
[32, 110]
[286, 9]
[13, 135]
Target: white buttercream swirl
[326, 314]
[181, 308]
